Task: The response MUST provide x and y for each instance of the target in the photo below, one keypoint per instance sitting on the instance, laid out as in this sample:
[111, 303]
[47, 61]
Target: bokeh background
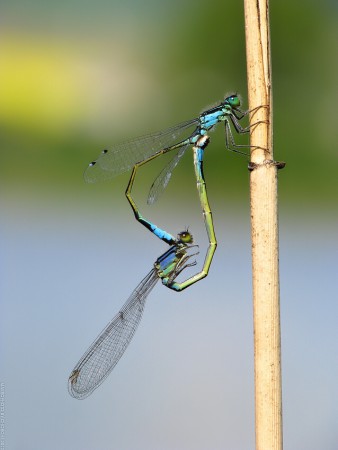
[79, 76]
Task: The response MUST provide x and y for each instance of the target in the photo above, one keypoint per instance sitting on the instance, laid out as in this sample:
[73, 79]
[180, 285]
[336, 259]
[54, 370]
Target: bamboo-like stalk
[264, 232]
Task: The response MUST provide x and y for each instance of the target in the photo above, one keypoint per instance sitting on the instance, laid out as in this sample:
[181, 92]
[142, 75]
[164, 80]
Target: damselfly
[102, 356]
[123, 157]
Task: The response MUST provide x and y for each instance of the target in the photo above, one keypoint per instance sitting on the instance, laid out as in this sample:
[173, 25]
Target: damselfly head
[185, 237]
[233, 100]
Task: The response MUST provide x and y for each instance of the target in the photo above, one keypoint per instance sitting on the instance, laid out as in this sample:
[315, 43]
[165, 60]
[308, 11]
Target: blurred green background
[77, 77]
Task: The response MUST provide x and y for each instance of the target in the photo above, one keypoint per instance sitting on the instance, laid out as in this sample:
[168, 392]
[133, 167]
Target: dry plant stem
[264, 223]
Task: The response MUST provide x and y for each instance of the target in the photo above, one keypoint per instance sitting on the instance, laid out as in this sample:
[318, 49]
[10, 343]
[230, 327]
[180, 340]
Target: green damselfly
[105, 352]
[103, 355]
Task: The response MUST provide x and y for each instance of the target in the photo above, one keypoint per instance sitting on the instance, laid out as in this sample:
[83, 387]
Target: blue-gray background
[79, 76]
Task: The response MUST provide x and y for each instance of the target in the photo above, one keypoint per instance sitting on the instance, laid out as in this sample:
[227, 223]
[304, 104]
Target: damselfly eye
[234, 101]
[185, 237]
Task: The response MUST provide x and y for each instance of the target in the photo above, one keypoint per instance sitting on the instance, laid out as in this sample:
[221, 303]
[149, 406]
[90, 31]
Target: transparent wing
[163, 178]
[123, 157]
[102, 356]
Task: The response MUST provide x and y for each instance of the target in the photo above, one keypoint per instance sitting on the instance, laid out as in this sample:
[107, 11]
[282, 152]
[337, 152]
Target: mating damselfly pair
[107, 349]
